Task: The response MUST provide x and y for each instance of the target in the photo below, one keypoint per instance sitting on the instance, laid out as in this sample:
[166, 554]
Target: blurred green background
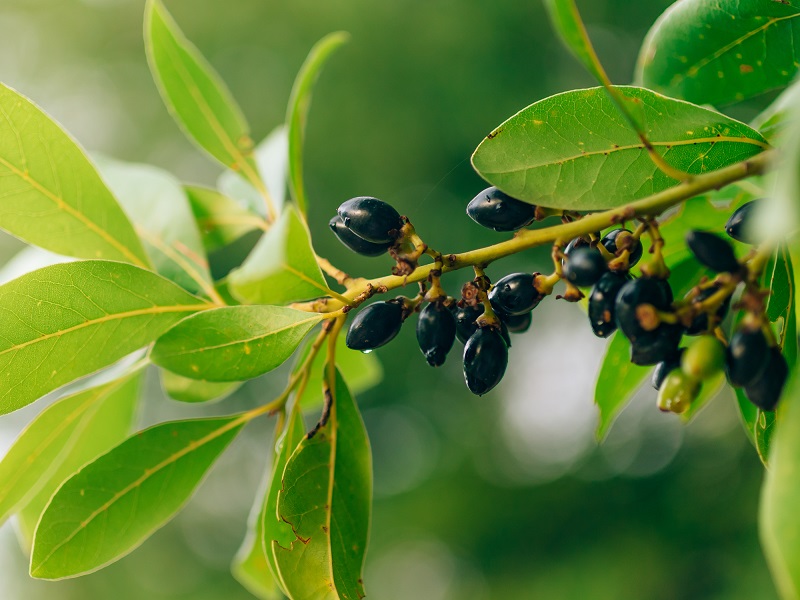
[505, 496]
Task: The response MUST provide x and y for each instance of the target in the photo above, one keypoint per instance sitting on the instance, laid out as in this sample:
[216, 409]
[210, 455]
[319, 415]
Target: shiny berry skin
[578, 242]
[747, 356]
[656, 346]
[466, 325]
[601, 303]
[514, 294]
[703, 359]
[371, 219]
[610, 240]
[766, 390]
[436, 332]
[485, 360]
[375, 326]
[700, 322]
[665, 367]
[499, 211]
[355, 243]
[677, 392]
[739, 224]
[712, 251]
[632, 295]
[584, 267]
[518, 323]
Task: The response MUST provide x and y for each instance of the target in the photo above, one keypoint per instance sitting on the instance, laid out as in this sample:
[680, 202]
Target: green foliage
[220, 219]
[326, 498]
[233, 343]
[299, 103]
[722, 52]
[69, 320]
[104, 512]
[282, 268]
[195, 94]
[41, 450]
[574, 151]
[52, 195]
[185, 389]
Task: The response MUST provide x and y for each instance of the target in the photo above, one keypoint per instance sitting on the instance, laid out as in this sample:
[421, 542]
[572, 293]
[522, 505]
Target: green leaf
[272, 159]
[69, 320]
[618, 381]
[158, 206]
[234, 343]
[254, 566]
[220, 219]
[361, 371]
[282, 268]
[184, 389]
[44, 444]
[107, 424]
[51, 194]
[722, 52]
[326, 498]
[275, 531]
[104, 512]
[575, 150]
[567, 23]
[196, 95]
[773, 120]
[299, 103]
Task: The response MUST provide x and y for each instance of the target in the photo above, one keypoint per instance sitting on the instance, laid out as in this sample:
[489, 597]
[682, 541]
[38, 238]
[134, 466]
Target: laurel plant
[674, 225]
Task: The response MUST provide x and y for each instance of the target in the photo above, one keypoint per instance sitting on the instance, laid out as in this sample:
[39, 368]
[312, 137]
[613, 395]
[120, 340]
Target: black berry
[634, 295]
[375, 325]
[712, 251]
[700, 322]
[514, 294]
[601, 303]
[740, 224]
[466, 325]
[371, 219]
[665, 367]
[499, 211]
[747, 356]
[355, 243]
[436, 332]
[485, 360]
[766, 390]
[619, 239]
[658, 345]
[584, 267]
[518, 323]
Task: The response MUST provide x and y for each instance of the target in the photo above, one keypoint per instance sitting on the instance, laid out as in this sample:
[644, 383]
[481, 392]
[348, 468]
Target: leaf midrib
[190, 447]
[107, 318]
[690, 142]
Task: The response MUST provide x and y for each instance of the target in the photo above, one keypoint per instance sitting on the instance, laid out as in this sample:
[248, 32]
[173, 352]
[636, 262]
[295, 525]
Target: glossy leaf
[104, 512]
[51, 195]
[196, 95]
[722, 52]
[618, 381]
[282, 268]
[160, 211]
[106, 425]
[575, 151]
[233, 343]
[40, 449]
[69, 320]
[299, 103]
[220, 219]
[272, 159]
[184, 389]
[254, 565]
[360, 371]
[326, 498]
[275, 531]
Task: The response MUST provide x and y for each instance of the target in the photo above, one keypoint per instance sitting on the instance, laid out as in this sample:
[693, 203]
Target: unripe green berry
[677, 392]
[703, 359]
